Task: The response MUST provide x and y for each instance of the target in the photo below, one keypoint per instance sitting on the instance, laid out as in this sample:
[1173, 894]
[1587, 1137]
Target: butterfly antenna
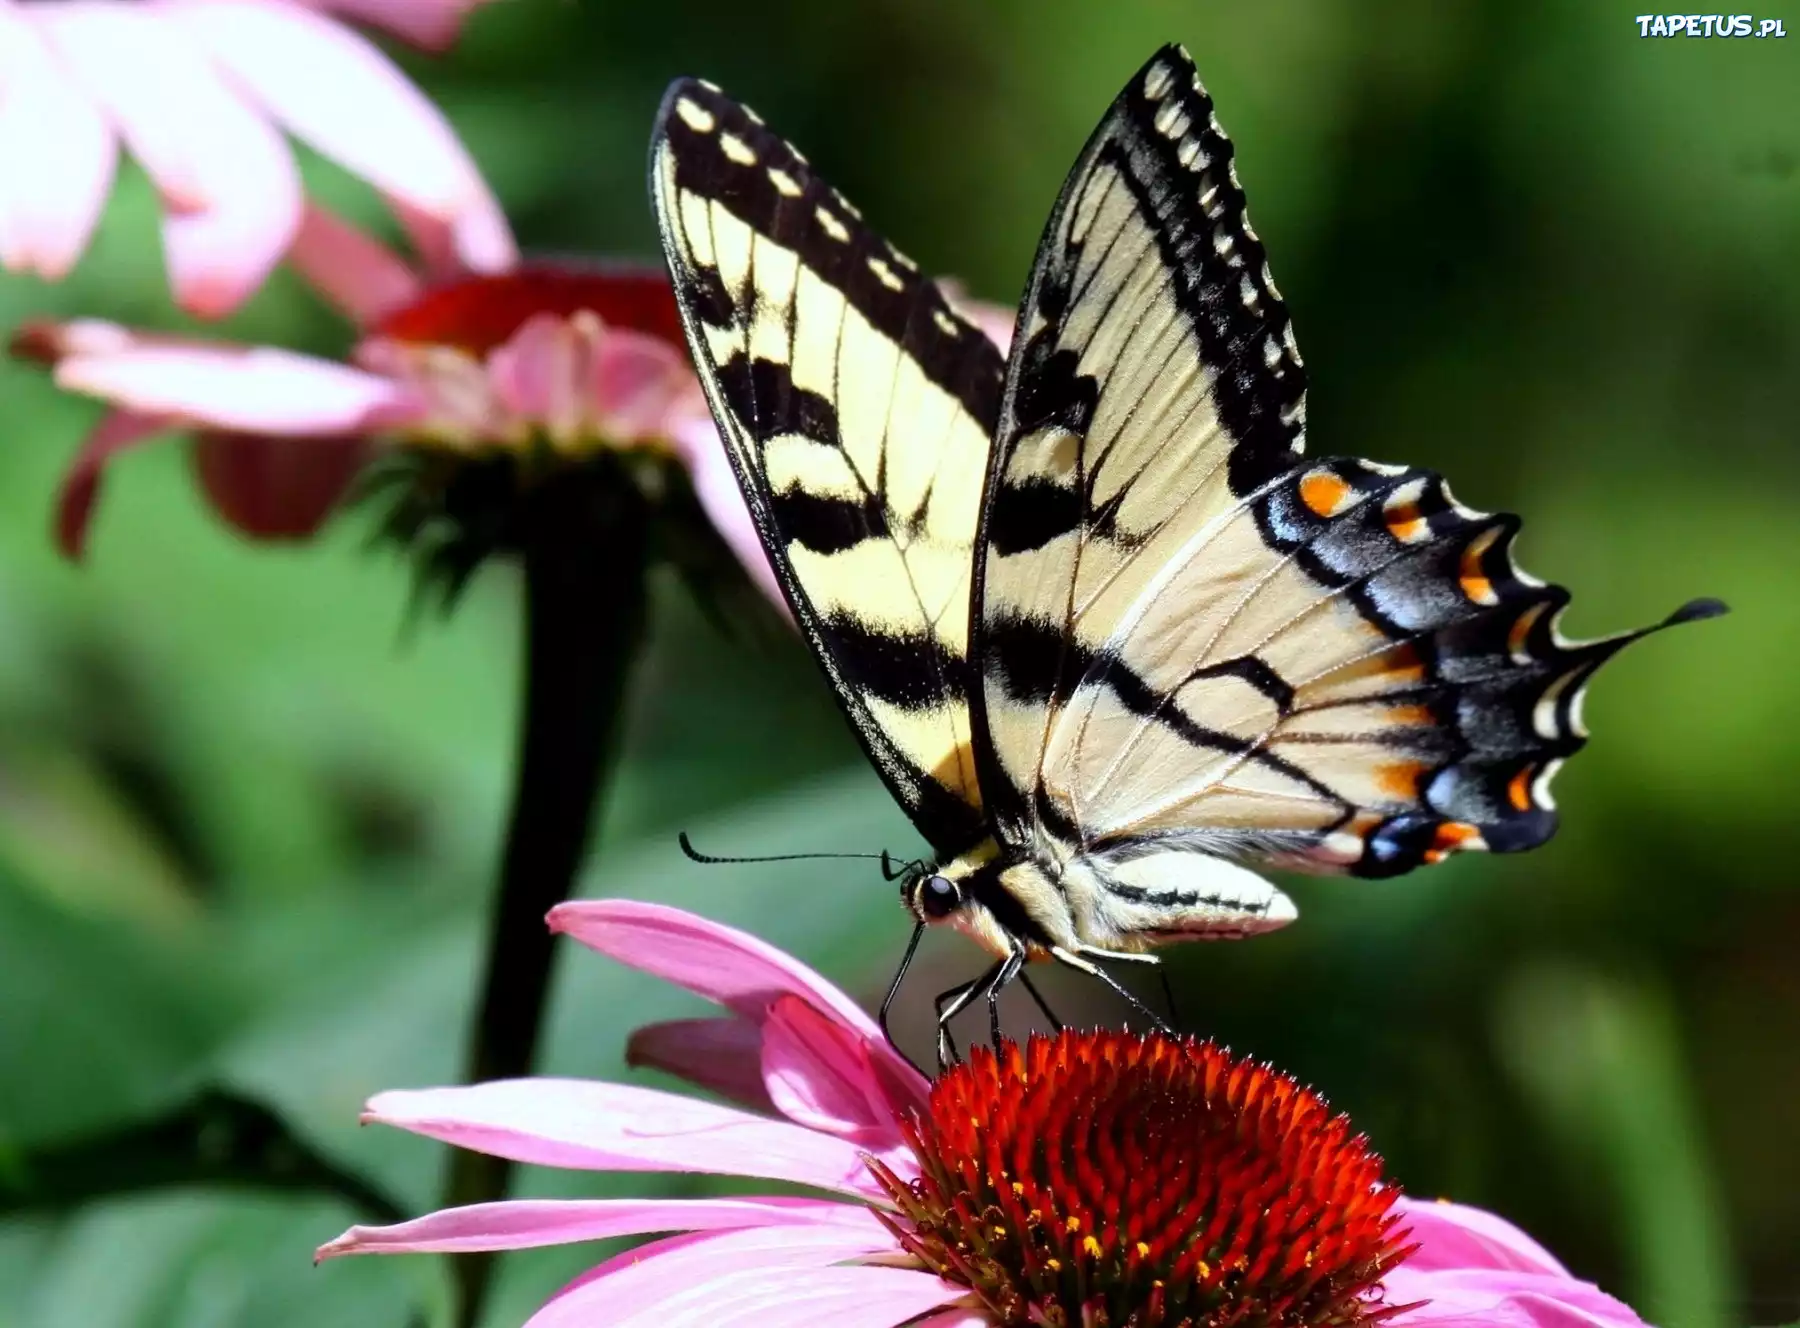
[884, 857]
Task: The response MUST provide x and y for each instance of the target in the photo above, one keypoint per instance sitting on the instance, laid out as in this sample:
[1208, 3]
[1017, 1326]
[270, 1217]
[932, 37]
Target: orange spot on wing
[1519, 633]
[1452, 836]
[1404, 667]
[1400, 779]
[1475, 582]
[1323, 493]
[1479, 589]
[1411, 714]
[1404, 522]
[1518, 792]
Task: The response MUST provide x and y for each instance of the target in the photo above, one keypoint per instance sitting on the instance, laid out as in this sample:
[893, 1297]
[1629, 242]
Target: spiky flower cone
[1104, 1179]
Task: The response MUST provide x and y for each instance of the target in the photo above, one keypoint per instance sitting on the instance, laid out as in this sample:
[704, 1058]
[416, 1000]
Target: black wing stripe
[881, 283]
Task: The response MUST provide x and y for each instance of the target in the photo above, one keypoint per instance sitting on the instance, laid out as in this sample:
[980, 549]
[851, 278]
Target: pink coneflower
[199, 91]
[1093, 1178]
[545, 364]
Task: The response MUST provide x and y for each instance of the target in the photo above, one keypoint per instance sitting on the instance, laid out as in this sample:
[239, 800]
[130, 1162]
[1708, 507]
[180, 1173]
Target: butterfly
[1110, 638]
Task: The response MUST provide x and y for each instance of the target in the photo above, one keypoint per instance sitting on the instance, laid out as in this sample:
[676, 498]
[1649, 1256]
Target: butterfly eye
[939, 897]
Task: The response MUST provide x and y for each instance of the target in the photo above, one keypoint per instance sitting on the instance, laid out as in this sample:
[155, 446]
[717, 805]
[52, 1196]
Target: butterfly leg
[955, 999]
[1009, 968]
[1083, 961]
[953, 1002]
[1056, 1024]
[1148, 961]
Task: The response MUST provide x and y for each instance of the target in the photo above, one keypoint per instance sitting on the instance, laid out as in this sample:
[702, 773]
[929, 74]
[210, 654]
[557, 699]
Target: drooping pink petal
[354, 271]
[709, 470]
[726, 966]
[638, 1281]
[817, 1074]
[615, 1127]
[56, 156]
[336, 90]
[428, 24]
[227, 179]
[80, 488]
[1453, 1235]
[813, 1298]
[277, 488]
[1487, 1298]
[520, 1224]
[447, 248]
[254, 389]
[723, 1055]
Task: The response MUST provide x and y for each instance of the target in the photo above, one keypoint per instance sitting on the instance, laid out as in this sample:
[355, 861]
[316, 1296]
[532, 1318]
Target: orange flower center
[1101, 1178]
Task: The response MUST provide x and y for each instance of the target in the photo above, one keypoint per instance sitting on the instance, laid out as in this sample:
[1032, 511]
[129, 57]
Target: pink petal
[253, 389]
[228, 182]
[717, 489]
[616, 1127]
[809, 1298]
[995, 320]
[477, 241]
[80, 488]
[431, 25]
[56, 156]
[277, 488]
[354, 271]
[722, 1055]
[640, 1280]
[336, 90]
[956, 1318]
[730, 967]
[1452, 1235]
[540, 373]
[578, 378]
[1486, 1298]
[818, 1075]
[528, 1223]
[636, 385]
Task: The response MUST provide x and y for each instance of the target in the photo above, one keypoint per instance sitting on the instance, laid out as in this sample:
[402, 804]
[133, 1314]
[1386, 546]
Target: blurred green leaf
[214, 1139]
[100, 1026]
[210, 1261]
[1600, 1061]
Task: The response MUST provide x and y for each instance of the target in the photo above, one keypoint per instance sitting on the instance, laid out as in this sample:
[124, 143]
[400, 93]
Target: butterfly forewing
[857, 408]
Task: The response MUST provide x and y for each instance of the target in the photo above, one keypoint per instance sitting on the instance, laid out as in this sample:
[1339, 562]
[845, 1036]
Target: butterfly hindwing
[1188, 640]
[857, 408]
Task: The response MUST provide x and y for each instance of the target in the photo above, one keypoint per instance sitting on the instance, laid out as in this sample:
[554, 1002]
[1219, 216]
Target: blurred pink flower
[567, 357]
[826, 1103]
[198, 92]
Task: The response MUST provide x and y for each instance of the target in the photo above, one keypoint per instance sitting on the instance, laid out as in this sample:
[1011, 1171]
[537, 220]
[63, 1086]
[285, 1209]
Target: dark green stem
[584, 537]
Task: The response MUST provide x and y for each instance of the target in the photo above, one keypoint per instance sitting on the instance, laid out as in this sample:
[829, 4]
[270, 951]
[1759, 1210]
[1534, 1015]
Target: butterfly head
[996, 899]
[932, 897]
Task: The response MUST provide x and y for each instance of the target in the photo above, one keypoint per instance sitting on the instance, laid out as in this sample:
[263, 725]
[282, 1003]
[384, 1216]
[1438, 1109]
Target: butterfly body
[1048, 896]
[1109, 636]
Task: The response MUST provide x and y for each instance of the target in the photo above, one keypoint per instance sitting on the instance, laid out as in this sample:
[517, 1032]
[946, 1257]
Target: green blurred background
[247, 823]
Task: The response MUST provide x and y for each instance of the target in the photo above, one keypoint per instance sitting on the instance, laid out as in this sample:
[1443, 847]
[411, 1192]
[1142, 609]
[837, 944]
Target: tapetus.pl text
[1709, 25]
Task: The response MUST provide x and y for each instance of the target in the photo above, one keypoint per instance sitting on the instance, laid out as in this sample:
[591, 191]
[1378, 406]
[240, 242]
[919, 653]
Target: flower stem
[584, 536]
